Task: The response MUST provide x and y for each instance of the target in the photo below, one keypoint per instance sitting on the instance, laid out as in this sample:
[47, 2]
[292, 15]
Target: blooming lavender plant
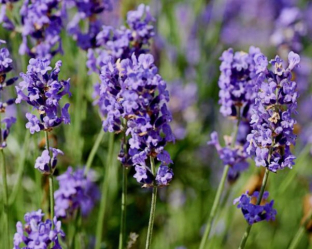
[272, 122]
[42, 90]
[37, 233]
[131, 90]
[76, 191]
[238, 81]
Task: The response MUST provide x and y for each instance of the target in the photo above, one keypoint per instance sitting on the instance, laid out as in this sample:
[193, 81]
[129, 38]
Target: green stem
[104, 191]
[5, 201]
[93, 151]
[51, 185]
[153, 208]
[76, 224]
[220, 189]
[214, 207]
[20, 170]
[247, 232]
[123, 209]
[297, 238]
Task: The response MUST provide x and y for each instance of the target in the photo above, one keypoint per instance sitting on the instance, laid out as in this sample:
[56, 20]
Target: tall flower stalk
[43, 91]
[272, 132]
[237, 82]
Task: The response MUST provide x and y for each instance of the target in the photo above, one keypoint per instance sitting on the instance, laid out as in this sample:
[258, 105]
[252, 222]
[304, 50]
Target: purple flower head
[36, 233]
[272, 123]
[76, 191]
[254, 213]
[164, 175]
[237, 81]
[42, 89]
[131, 90]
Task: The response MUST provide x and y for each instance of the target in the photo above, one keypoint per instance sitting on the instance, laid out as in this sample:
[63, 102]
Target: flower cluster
[76, 191]
[271, 121]
[43, 92]
[122, 43]
[235, 157]
[238, 79]
[5, 67]
[133, 92]
[42, 24]
[36, 233]
[254, 213]
[87, 9]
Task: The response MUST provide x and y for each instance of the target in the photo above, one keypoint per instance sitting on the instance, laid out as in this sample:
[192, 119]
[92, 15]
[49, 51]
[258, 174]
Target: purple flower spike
[42, 89]
[272, 124]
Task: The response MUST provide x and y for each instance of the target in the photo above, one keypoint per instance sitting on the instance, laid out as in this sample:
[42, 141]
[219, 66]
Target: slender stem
[247, 232]
[214, 207]
[51, 185]
[93, 151]
[104, 191]
[76, 224]
[123, 209]
[153, 208]
[220, 189]
[5, 200]
[297, 238]
[20, 170]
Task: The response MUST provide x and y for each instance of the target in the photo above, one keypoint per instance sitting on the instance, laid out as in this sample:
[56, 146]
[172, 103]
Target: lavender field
[156, 124]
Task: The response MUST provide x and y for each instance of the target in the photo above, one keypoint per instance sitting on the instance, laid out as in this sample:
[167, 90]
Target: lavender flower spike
[42, 89]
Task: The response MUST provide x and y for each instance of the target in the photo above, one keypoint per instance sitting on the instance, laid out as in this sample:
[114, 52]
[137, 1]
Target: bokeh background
[190, 37]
